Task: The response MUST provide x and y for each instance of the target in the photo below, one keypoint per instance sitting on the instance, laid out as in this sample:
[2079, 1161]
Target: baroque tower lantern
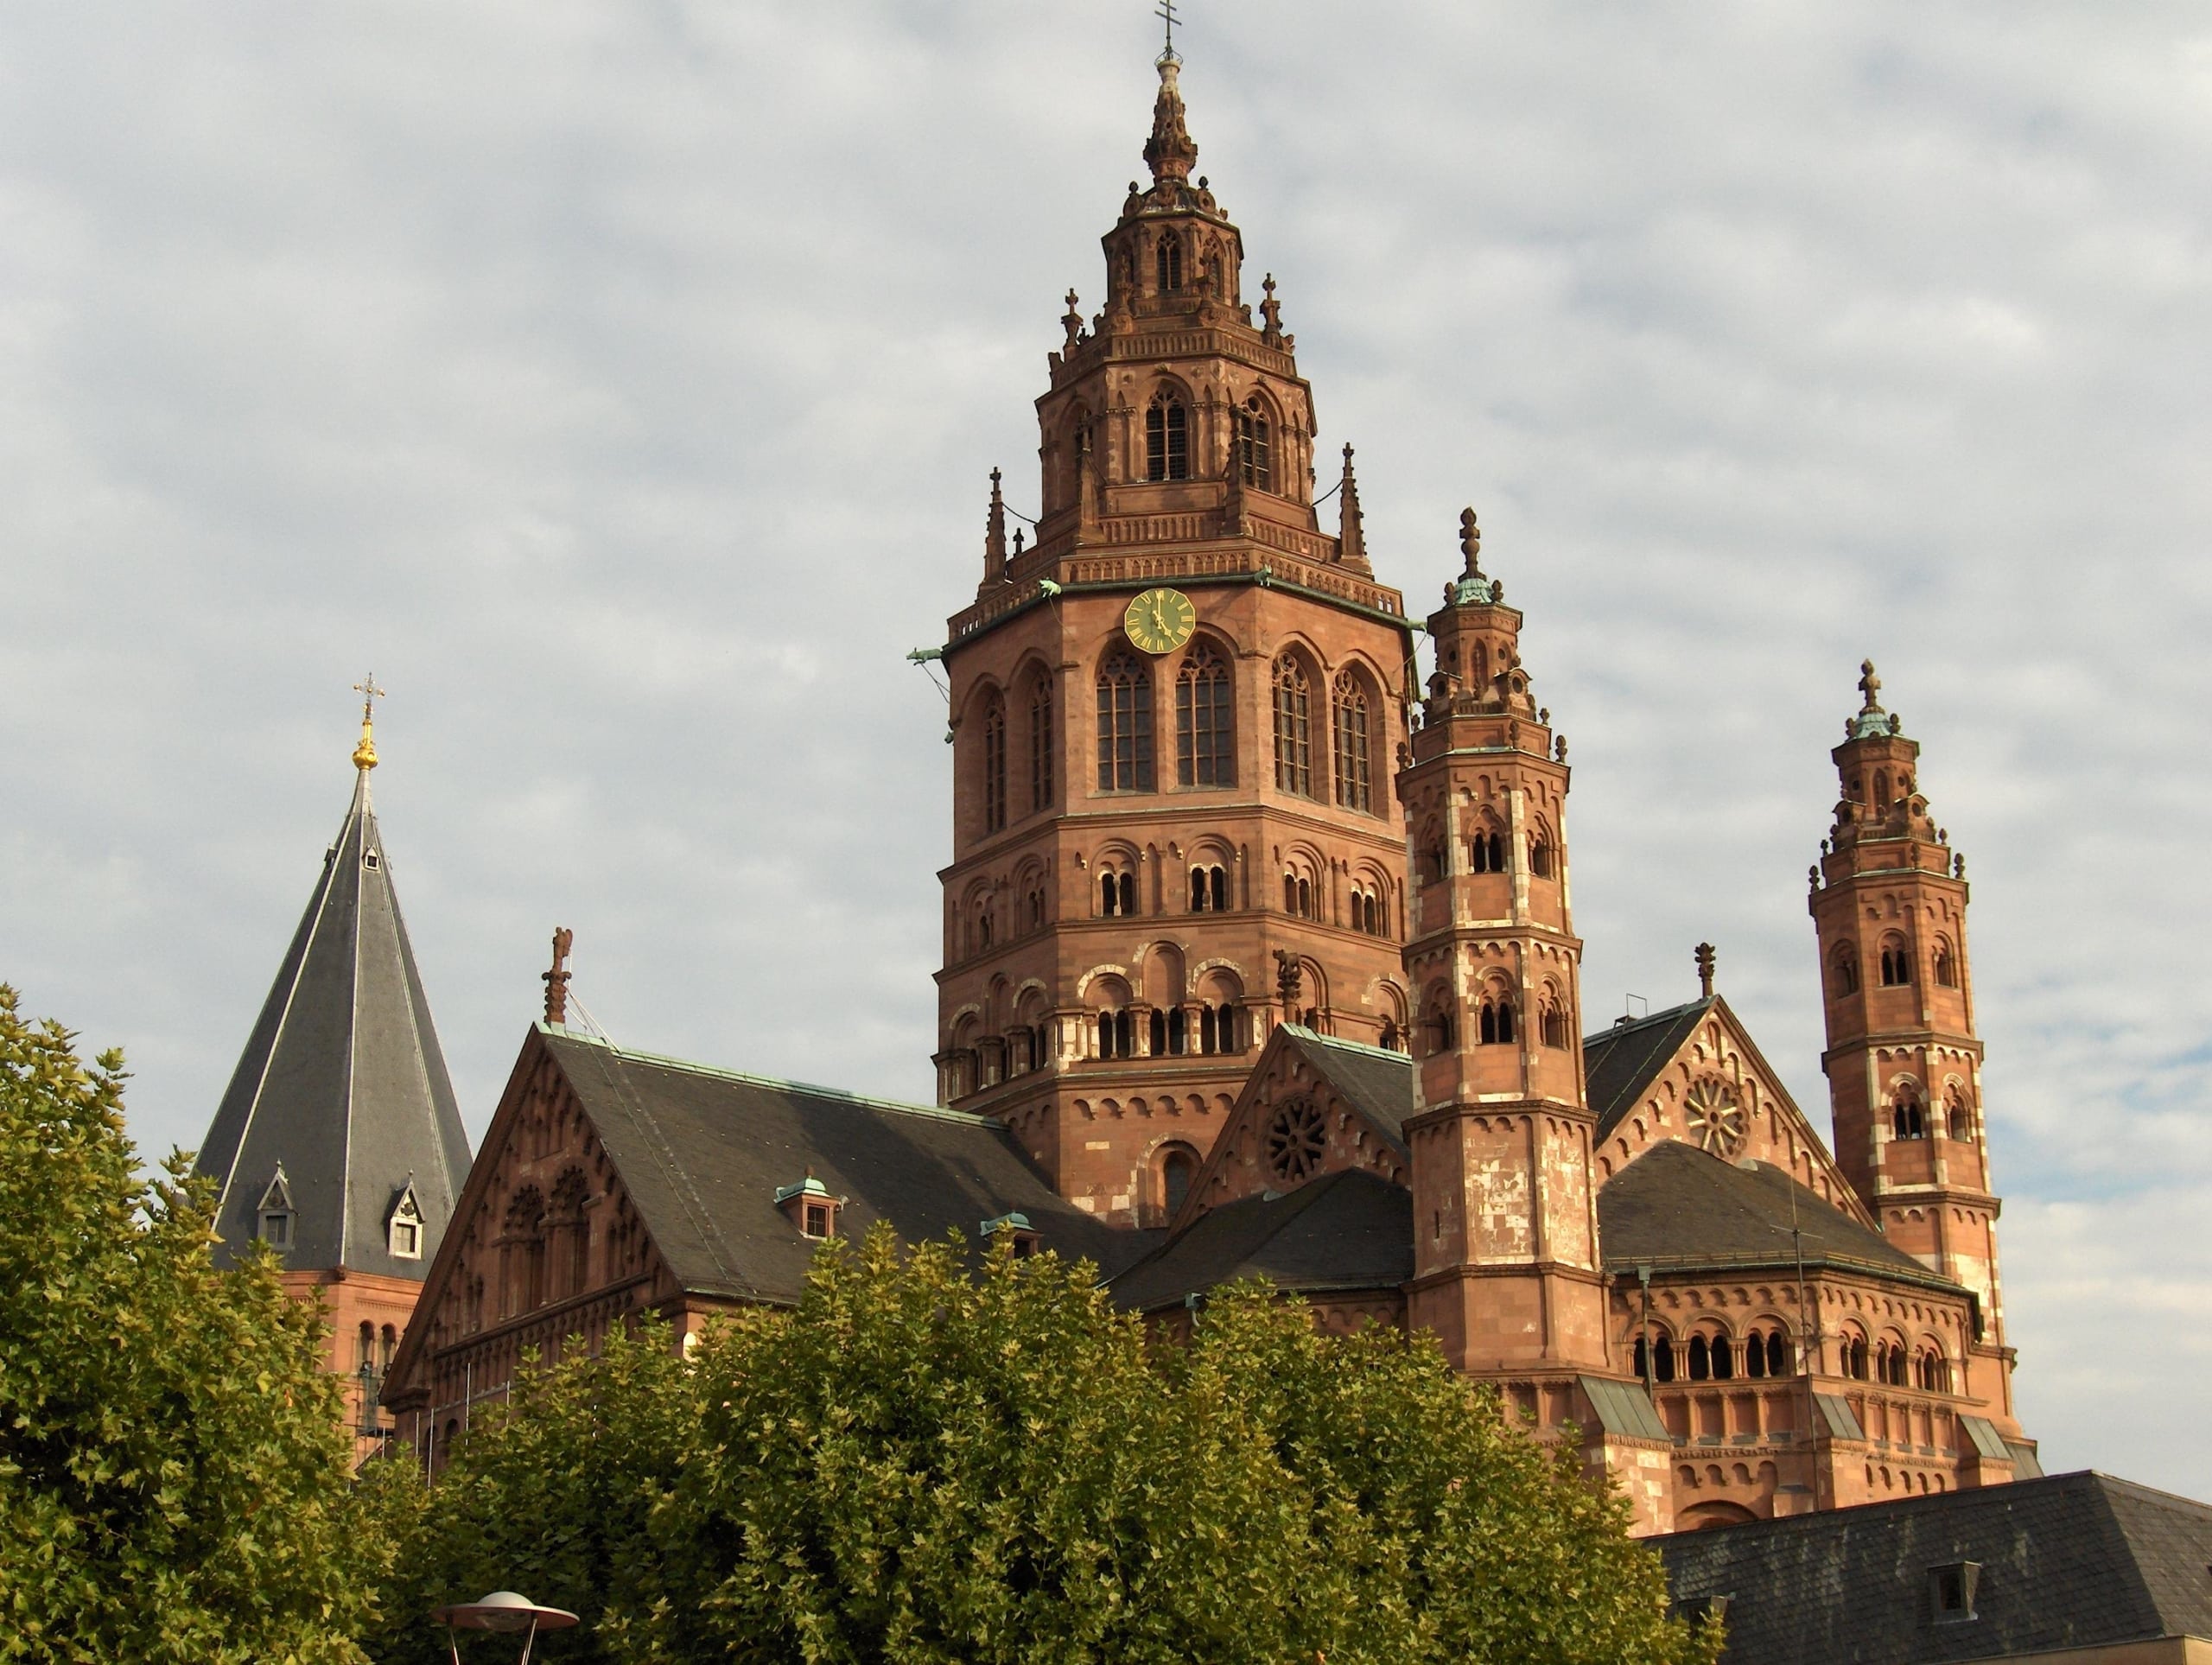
[1173, 719]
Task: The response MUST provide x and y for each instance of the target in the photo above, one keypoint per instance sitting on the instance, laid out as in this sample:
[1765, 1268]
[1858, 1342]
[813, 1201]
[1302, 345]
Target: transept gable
[1312, 1106]
[1693, 1075]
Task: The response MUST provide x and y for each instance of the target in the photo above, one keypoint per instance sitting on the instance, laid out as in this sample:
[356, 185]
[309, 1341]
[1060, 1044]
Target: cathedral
[1259, 959]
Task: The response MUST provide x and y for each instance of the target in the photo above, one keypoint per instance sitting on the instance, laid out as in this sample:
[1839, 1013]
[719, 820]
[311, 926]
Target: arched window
[1947, 973]
[1035, 906]
[1124, 724]
[1723, 1353]
[1040, 743]
[1897, 963]
[1166, 439]
[1255, 446]
[1486, 853]
[1700, 1359]
[1167, 263]
[1554, 1024]
[1348, 701]
[1435, 861]
[1843, 969]
[1159, 1028]
[1294, 728]
[1540, 856]
[367, 1358]
[1117, 895]
[1855, 1358]
[993, 764]
[1496, 1025]
[1177, 1167]
[1907, 1119]
[1205, 743]
[1777, 1353]
[1209, 890]
[1297, 896]
[1755, 1354]
[1117, 1035]
[1662, 1359]
[1437, 1023]
[523, 1252]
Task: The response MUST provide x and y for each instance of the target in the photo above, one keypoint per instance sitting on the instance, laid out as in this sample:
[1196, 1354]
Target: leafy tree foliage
[929, 1463]
[173, 1472]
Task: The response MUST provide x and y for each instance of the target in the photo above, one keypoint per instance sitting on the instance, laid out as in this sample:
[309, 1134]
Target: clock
[1160, 620]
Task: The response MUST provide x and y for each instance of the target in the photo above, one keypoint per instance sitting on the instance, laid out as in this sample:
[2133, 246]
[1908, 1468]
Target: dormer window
[1951, 1589]
[276, 1213]
[810, 1206]
[1017, 1229]
[404, 1227]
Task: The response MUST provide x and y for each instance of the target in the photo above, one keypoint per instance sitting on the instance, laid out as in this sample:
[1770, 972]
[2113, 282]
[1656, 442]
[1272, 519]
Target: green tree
[933, 1461]
[174, 1480]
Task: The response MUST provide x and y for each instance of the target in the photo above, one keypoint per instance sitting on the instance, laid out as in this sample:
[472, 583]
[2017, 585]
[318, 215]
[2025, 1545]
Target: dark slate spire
[340, 1112]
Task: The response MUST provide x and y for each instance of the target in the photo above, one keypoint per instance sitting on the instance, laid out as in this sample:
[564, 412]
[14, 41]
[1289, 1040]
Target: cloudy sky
[621, 383]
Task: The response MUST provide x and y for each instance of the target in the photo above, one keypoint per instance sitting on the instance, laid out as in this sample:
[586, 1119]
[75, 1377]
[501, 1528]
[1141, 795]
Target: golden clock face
[1160, 620]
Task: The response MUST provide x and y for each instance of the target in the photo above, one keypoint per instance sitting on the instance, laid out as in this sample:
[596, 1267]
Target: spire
[1169, 152]
[365, 754]
[1351, 535]
[341, 1088]
[994, 535]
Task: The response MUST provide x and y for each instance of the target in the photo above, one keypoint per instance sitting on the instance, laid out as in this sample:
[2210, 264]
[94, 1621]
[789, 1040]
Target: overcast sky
[620, 382]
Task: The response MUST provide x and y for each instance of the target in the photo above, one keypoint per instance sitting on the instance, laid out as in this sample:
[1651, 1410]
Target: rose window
[1297, 1136]
[1716, 1119]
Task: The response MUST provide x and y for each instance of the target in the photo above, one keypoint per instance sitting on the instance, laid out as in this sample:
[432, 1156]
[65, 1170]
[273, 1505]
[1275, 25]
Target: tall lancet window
[1124, 724]
[993, 764]
[1167, 263]
[1206, 741]
[1354, 788]
[1294, 728]
[1166, 439]
[1255, 446]
[1040, 743]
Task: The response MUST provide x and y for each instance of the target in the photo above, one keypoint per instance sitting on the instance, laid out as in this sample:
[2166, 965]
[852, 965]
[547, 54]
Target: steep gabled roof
[702, 1151]
[341, 1084]
[1379, 1081]
[1621, 1061]
[1348, 1229]
[2074, 1560]
[1678, 1206]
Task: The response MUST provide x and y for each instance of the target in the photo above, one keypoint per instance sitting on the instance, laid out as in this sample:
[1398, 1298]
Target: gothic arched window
[1843, 967]
[1040, 743]
[1294, 728]
[1908, 1120]
[1348, 702]
[993, 764]
[1487, 852]
[1255, 446]
[1896, 962]
[1554, 1024]
[1124, 724]
[1496, 1025]
[1167, 263]
[1205, 738]
[1540, 856]
[1947, 971]
[1166, 439]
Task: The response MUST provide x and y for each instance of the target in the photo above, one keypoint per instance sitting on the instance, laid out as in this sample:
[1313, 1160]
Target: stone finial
[995, 533]
[1071, 321]
[1470, 542]
[556, 979]
[1559, 748]
[1705, 963]
[1270, 313]
[1871, 686]
[1351, 535]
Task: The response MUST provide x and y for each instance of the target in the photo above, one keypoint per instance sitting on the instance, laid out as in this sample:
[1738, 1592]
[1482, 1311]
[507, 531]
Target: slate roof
[1350, 1229]
[1380, 1082]
[1677, 1205]
[2071, 1561]
[1621, 1061]
[703, 1151]
[341, 1083]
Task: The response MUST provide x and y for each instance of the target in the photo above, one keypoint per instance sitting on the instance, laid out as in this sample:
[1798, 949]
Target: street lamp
[502, 1610]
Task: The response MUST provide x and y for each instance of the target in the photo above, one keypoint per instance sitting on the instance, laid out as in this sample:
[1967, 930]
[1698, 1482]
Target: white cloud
[621, 383]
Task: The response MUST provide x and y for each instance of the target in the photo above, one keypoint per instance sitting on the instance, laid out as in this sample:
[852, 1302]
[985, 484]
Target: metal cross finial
[370, 693]
[1165, 12]
[1869, 684]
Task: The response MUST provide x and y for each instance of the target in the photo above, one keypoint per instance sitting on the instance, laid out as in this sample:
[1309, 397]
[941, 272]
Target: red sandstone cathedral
[1260, 959]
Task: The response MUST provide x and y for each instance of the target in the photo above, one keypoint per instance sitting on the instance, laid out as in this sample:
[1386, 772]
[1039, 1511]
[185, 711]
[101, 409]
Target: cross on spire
[1869, 685]
[1165, 12]
[365, 754]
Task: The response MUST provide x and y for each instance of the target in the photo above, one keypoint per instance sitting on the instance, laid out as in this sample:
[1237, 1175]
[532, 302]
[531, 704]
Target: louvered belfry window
[1255, 446]
[1205, 742]
[995, 765]
[1167, 440]
[1124, 724]
[1293, 728]
[1040, 743]
[1354, 790]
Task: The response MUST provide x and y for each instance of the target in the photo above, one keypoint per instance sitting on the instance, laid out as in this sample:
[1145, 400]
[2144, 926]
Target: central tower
[1174, 721]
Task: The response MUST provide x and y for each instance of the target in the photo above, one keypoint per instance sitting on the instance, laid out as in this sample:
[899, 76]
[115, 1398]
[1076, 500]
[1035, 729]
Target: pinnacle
[1170, 152]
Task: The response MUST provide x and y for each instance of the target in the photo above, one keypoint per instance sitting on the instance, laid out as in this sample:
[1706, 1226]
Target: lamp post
[505, 1612]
